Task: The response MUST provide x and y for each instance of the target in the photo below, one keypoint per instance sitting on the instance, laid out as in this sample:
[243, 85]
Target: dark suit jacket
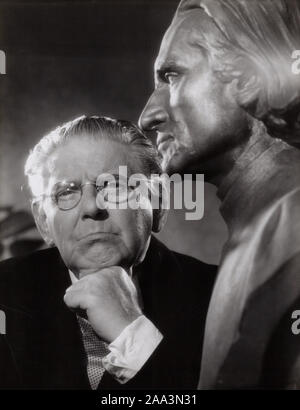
[42, 347]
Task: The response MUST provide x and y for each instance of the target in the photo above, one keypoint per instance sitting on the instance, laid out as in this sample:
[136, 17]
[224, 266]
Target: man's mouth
[97, 235]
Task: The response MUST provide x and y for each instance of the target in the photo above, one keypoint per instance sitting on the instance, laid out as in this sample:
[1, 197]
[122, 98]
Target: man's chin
[93, 262]
[91, 269]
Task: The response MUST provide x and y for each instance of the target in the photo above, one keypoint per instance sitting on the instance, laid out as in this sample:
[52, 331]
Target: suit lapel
[53, 356]
[46, 337]
[63, 339]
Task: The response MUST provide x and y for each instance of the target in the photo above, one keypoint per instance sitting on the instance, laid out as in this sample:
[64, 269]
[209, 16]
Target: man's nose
[154, 113]
[90, 207]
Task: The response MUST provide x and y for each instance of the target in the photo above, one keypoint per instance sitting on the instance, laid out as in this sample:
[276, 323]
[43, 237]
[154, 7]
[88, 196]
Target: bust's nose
[154, 113]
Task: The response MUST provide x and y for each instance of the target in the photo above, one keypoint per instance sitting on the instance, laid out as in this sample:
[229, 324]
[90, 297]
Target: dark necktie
[95, 349]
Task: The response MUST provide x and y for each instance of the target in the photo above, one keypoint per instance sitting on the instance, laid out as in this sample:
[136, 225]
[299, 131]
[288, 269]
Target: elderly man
[108, 306]
[226, 103]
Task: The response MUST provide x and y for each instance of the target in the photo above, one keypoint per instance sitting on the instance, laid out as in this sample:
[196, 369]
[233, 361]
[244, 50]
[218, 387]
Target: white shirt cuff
[131, 349]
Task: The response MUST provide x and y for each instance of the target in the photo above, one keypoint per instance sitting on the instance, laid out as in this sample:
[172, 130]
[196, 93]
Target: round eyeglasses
[67, 194]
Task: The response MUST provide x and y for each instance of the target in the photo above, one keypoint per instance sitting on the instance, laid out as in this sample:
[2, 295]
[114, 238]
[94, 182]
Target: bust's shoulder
[283, 218]
[290, 201]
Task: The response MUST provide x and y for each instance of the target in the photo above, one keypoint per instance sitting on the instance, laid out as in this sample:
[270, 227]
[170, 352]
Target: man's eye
[117, 185]
[107, 185]
[66, 192]
[101, 186]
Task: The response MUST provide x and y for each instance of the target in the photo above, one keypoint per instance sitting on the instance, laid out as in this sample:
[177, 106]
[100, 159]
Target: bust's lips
[163, 140]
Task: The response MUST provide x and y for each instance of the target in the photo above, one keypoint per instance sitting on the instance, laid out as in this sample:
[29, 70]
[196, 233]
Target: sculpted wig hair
[254, 46]
[96, 128]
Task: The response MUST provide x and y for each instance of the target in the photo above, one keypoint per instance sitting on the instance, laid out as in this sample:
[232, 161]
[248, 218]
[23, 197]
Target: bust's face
[195, 115]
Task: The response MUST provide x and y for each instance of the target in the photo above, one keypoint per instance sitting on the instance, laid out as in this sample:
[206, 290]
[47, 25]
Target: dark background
[68, 58]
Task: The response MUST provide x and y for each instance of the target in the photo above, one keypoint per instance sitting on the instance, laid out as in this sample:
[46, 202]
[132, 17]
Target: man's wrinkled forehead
[83, 159]
[188, 29]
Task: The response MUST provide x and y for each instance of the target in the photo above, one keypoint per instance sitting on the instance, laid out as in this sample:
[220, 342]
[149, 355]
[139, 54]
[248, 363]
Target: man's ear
[41, 222]
[161, 189]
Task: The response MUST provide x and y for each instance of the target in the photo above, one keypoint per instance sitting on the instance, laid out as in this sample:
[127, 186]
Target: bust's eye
[169, 76]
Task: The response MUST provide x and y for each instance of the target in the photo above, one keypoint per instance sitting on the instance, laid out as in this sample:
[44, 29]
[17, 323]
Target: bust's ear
[161, 190]
[40, 218]
[247, 91]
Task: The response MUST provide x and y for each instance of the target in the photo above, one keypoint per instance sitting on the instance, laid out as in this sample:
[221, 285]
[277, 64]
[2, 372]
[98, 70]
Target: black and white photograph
[149, 197]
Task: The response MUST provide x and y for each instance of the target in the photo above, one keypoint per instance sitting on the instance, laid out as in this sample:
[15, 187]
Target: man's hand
[109, 299]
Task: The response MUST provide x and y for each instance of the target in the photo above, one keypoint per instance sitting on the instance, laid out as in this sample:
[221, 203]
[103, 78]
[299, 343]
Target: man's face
[194, 114]
[90, 237]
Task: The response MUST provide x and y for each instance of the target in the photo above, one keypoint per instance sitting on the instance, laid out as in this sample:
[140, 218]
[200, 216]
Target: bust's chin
[181, 162]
